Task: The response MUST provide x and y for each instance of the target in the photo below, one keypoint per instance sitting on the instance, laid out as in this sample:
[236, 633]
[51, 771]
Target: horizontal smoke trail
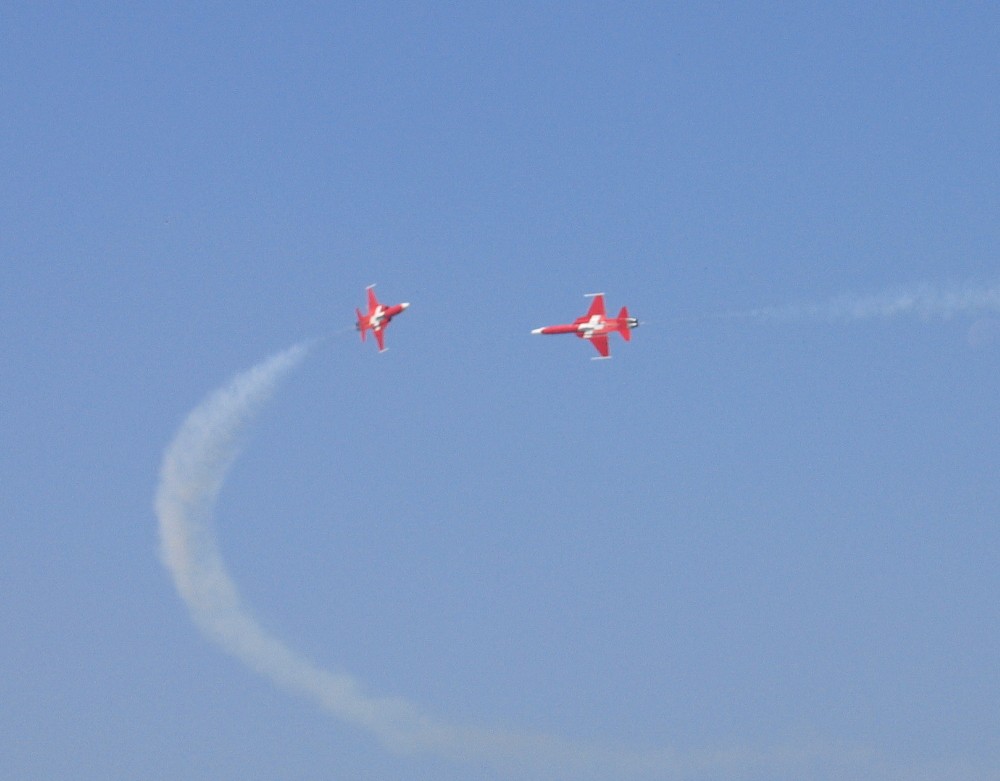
[194, 467]
[925, 302]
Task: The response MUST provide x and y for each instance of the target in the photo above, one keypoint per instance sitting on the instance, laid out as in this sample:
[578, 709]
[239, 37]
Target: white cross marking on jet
[595, 323]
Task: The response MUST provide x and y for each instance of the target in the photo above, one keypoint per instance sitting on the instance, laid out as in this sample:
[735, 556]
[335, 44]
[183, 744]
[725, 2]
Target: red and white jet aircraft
[378, 318]
[596, 325]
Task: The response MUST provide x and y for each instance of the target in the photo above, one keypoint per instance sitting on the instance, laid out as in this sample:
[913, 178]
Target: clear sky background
[774, 536]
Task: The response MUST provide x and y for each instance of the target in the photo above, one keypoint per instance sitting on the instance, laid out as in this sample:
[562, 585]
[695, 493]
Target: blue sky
[763, 537]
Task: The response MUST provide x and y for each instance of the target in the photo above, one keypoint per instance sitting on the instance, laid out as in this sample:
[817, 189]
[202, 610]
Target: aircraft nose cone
[405, 304]
[537, 330]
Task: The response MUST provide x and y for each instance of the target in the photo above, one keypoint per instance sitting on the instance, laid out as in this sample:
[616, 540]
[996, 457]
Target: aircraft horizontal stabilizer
[624, 327]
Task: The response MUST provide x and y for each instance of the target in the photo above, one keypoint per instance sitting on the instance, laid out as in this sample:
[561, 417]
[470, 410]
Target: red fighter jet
[378, 318]
[595, 325]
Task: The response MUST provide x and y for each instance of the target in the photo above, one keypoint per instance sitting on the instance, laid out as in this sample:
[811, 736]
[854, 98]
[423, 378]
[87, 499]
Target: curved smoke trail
[193, 470]
[194, 467]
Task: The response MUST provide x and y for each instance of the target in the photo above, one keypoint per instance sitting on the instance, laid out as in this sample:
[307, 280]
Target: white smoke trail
[194, 467]
[193, 470]
[925, 302]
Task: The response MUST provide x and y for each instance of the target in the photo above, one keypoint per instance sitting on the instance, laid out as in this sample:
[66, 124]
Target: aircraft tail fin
[623, 324]
[360, 324]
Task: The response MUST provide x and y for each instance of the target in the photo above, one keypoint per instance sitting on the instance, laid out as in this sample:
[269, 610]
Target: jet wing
[596, 306]
[372, 300]
[379, 332]
[600, 342]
